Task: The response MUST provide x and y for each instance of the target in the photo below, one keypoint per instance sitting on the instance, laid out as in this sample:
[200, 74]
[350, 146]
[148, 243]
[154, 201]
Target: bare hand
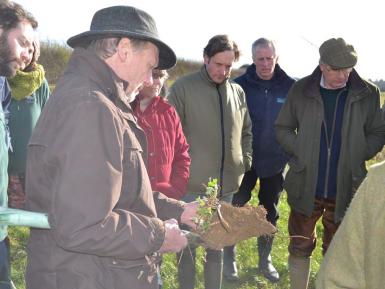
[175, 240]
[190, 211]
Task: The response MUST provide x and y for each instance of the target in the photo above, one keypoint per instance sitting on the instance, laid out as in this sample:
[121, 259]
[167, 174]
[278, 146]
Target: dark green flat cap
[337, 53]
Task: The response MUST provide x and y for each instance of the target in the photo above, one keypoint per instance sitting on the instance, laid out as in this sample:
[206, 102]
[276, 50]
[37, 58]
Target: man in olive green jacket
[355, 258]
[217, 126]
[330, 125]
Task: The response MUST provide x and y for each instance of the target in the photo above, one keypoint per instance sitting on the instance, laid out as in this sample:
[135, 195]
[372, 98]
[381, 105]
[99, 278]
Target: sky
[298, 26]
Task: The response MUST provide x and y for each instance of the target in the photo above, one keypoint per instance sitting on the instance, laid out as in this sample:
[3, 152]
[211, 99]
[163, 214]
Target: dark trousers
[302, 225]
[269, 192]
[5, 279]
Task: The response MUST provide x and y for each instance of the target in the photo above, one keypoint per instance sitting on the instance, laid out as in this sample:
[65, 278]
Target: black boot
[230, 271]
[213, 269]
[265, 264]
[186, 268]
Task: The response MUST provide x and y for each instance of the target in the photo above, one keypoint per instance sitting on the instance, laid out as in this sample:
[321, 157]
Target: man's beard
[6, 68]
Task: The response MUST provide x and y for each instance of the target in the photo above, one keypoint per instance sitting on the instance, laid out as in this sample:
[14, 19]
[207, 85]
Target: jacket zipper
[329, 145]
[222, 143]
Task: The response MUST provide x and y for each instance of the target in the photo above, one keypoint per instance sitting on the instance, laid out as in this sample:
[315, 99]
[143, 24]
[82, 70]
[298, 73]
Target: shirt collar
[322, 82]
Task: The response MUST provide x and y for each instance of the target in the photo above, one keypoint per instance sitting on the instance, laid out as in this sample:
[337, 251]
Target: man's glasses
[345, 71]
[159, 76]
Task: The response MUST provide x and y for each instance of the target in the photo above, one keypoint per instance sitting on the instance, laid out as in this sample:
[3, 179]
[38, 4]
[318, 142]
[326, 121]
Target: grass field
[247, 256]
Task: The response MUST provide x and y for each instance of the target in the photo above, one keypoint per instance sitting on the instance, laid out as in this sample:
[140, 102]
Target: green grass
[18, 237]
[247, 256]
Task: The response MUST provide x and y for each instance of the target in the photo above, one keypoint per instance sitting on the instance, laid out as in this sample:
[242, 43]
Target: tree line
[54, 57]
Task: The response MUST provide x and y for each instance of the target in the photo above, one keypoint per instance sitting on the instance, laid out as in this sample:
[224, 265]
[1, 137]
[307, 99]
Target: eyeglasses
[345, 71]
[159, 76]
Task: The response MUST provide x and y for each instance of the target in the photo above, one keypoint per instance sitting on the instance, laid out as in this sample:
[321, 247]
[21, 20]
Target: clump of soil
[230, 225]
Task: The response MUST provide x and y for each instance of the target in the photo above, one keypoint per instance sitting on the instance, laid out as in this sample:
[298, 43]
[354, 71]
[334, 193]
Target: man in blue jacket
[16, 35]
[266, 86]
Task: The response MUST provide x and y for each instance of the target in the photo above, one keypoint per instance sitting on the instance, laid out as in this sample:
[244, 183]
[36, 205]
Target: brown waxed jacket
[86, 170]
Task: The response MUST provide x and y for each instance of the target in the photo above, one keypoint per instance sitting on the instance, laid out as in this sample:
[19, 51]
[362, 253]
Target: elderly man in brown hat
[86, 166]
[330, 125]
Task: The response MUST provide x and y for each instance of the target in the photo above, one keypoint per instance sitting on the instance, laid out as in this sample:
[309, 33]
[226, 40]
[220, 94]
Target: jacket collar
[206, 77]
[89, 64]
[357, 88]
[278, 76]
[154, 104]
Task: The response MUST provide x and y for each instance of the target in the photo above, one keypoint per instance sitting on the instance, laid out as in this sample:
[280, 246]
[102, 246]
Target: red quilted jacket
[168, 159]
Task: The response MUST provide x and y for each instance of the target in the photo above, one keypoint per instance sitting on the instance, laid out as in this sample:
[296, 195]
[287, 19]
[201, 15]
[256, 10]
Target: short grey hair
[265, 42]
[106, 47]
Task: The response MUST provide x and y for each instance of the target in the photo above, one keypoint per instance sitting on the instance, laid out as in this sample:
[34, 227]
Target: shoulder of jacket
[164, 105]
[291, 80]
[235, 85]
[44, 85]
[240, 78]
[71, 96]
[186, 79]
[301, 83]
[378, 167]
[373, 87]
[304, 80]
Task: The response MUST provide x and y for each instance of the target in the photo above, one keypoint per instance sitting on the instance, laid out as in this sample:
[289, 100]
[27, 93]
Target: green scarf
[23, 84]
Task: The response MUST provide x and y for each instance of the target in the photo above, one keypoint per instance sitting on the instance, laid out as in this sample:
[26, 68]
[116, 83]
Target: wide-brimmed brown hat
[125, 21]
[337, 53]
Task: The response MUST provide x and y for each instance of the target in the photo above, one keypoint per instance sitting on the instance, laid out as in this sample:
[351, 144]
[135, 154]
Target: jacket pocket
[132, 273]
[114, 263]
[295, 179]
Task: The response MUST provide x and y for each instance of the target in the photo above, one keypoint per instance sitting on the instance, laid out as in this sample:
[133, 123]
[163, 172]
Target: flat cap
[337, 53]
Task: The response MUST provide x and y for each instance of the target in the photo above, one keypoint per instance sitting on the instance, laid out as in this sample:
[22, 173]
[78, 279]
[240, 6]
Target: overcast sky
[297, 26]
